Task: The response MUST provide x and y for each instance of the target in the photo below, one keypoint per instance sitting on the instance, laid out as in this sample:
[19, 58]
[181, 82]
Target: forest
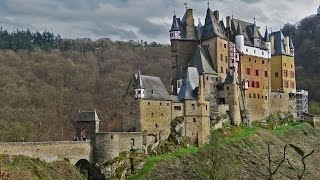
[46, 80]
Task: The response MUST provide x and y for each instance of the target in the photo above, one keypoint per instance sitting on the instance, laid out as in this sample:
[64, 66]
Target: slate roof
[266, 36]
[153, 88]
[175, 24]
[190, 84]
[230, 77]
[212, 27]
[279, 45]
[89, 116]
[202, 60]
[249, 32]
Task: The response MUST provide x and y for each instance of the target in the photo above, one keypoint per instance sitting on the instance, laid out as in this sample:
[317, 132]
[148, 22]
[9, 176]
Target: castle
[220, 70]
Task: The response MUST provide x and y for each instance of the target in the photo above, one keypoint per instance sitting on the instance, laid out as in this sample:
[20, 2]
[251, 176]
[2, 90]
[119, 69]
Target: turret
[266, 39]
[239, 39]
[291, 47]
[318, 11]
[138, 89]
[255, 36]
[175, 33]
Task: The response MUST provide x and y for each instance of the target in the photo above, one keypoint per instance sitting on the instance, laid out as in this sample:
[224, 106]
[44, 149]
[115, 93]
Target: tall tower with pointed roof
[139, 90]
[175, 33]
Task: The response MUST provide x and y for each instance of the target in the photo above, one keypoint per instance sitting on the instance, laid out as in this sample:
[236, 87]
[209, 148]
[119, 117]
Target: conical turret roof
[175, 24]
[266, 36]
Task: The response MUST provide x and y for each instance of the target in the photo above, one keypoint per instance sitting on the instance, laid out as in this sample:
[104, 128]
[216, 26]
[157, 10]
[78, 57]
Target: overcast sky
[148, 20]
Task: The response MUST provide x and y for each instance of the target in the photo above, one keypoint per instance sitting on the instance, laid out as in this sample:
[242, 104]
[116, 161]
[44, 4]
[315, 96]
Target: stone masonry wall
[109, 145]
[50, 151]
[156, 117]
[281, 102]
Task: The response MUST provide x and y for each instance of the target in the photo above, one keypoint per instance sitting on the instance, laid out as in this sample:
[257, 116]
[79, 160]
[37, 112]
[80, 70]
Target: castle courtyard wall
[50, 151]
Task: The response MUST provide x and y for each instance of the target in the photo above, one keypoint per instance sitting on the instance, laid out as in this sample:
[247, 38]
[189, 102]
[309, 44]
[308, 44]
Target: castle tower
[255, 36]
[204, 128]
[184, 40]
[267, 40]
[175, 33]
[139, 90]
[239, 39]
[87, 125]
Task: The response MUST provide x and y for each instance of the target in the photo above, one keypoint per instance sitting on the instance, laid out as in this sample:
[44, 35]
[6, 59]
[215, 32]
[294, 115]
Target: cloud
[138, 19]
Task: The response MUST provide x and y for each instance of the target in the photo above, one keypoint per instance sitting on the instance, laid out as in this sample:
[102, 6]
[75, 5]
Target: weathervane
[186, 4]
[254, 20]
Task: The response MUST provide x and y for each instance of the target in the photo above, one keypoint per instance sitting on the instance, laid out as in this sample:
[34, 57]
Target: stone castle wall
[156, 118]
[281, 102]
[50, 151]
[108, 145]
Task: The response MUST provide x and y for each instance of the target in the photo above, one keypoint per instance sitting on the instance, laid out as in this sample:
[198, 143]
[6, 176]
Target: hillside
[242, 153]
[45, 83]
[25, 168]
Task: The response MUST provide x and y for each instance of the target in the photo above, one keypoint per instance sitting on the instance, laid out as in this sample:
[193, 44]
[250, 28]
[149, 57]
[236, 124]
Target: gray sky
[148, 20]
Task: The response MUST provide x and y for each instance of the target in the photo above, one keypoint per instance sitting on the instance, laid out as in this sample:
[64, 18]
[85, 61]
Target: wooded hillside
[45, 80]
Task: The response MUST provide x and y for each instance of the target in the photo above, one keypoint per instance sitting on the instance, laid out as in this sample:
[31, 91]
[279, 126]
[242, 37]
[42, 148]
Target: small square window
[194, 120]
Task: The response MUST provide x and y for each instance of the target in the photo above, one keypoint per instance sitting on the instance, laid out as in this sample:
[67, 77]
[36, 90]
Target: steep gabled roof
[249, 31]
[153, 88]
[175, 24]
[266, 36]
[212, 27]
[190, 83]
[89, 116]
[202, 61]
[279, 44]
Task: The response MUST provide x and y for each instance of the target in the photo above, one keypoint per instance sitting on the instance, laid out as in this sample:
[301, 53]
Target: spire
[239, 31]
[175, 24]
[266, 35]
[255, 31]
[208, 4]
[139, 81]
[318, 11]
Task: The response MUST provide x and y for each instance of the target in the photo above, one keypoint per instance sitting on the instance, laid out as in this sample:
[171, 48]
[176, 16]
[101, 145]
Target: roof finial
[174, 12]
[232, 14]
[208, 4]
[186, 4]
[254, 20]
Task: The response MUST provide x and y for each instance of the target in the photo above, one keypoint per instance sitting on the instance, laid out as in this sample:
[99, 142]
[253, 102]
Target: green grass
[151, 161]
[239, 133]
[284, 129]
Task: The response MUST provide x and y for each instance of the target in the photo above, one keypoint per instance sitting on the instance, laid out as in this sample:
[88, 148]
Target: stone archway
[90, 171]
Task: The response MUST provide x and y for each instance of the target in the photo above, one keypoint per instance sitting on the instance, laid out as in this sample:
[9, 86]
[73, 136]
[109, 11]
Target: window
[252, 83]
[152, 91]
[258, 96]
[276, 74]
[262, 53]
[257, 84]
[262, 60]
[292, 74]
[221, 57]
[160, 104]
[248, 71]
[193, 106]
[126, 104]
[161, 114]
[148, 103]
[227, 88]
[246, 50]
[285, 64]
[221, 70]
[254, 51]
[286, 84]
[225, 45]
[206, 107]
[168, 104]
[257, 72]
[194, 120]
[266, 97]
[292, 85]
[265, 73]
[249, 59]
[207, 78]
[111, 137]
[249, 95]
[151, 114]
[285, 73]
[156, 125]
[177, 108]
[254, 96]
[226, 59]
[291, 66]
[255, 61]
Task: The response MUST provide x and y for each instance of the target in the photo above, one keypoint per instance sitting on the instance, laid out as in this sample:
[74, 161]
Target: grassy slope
[248, 146]
[25, 168]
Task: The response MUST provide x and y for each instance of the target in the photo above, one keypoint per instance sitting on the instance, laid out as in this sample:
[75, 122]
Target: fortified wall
[50, 151]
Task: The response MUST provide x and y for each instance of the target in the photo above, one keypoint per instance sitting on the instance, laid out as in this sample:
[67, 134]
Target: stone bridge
[50, 151]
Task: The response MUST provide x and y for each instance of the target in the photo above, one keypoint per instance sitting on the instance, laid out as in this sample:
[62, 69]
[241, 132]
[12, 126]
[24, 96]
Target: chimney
[287, 42]
[228, 22]
[216, 15]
